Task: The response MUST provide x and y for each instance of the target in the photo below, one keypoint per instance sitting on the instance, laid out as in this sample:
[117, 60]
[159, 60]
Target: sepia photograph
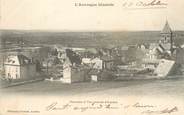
[123, 57]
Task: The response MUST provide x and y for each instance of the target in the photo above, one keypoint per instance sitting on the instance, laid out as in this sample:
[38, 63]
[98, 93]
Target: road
[170, 87]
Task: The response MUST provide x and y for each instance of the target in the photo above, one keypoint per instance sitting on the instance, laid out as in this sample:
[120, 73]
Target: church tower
[167, 36]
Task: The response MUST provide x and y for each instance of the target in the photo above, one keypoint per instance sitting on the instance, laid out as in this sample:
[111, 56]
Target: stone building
[19, 67]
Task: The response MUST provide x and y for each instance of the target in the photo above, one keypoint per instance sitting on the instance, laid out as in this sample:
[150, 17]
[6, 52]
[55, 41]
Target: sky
[63, 15]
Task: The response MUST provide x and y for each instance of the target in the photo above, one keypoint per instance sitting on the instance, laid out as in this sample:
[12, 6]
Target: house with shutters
[19, 67]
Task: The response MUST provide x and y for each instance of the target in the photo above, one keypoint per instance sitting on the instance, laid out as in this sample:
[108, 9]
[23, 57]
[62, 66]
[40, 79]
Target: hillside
[86, 39]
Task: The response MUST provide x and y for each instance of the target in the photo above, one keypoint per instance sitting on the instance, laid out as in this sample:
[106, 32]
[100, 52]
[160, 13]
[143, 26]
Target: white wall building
[72, 74]
[96, 63]
[19, 67]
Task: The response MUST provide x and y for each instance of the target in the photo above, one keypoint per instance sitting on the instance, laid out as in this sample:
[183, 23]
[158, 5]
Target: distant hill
[86, 39]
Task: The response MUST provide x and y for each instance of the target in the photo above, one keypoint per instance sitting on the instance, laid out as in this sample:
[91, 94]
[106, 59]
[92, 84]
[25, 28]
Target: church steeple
[167, 37]
[166, 29]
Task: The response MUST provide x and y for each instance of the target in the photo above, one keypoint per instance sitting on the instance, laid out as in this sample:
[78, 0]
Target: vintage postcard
[95, 57]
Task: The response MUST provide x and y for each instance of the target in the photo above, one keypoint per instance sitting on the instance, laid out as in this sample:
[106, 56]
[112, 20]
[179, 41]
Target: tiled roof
[17, 60]
[23, 59]
[166, 29]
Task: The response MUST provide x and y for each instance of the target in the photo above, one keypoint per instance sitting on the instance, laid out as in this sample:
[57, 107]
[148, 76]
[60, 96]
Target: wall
[28, 71]
[12, 71]
[164, 68]
[71, 75]
[77, 75]
[66, 74]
